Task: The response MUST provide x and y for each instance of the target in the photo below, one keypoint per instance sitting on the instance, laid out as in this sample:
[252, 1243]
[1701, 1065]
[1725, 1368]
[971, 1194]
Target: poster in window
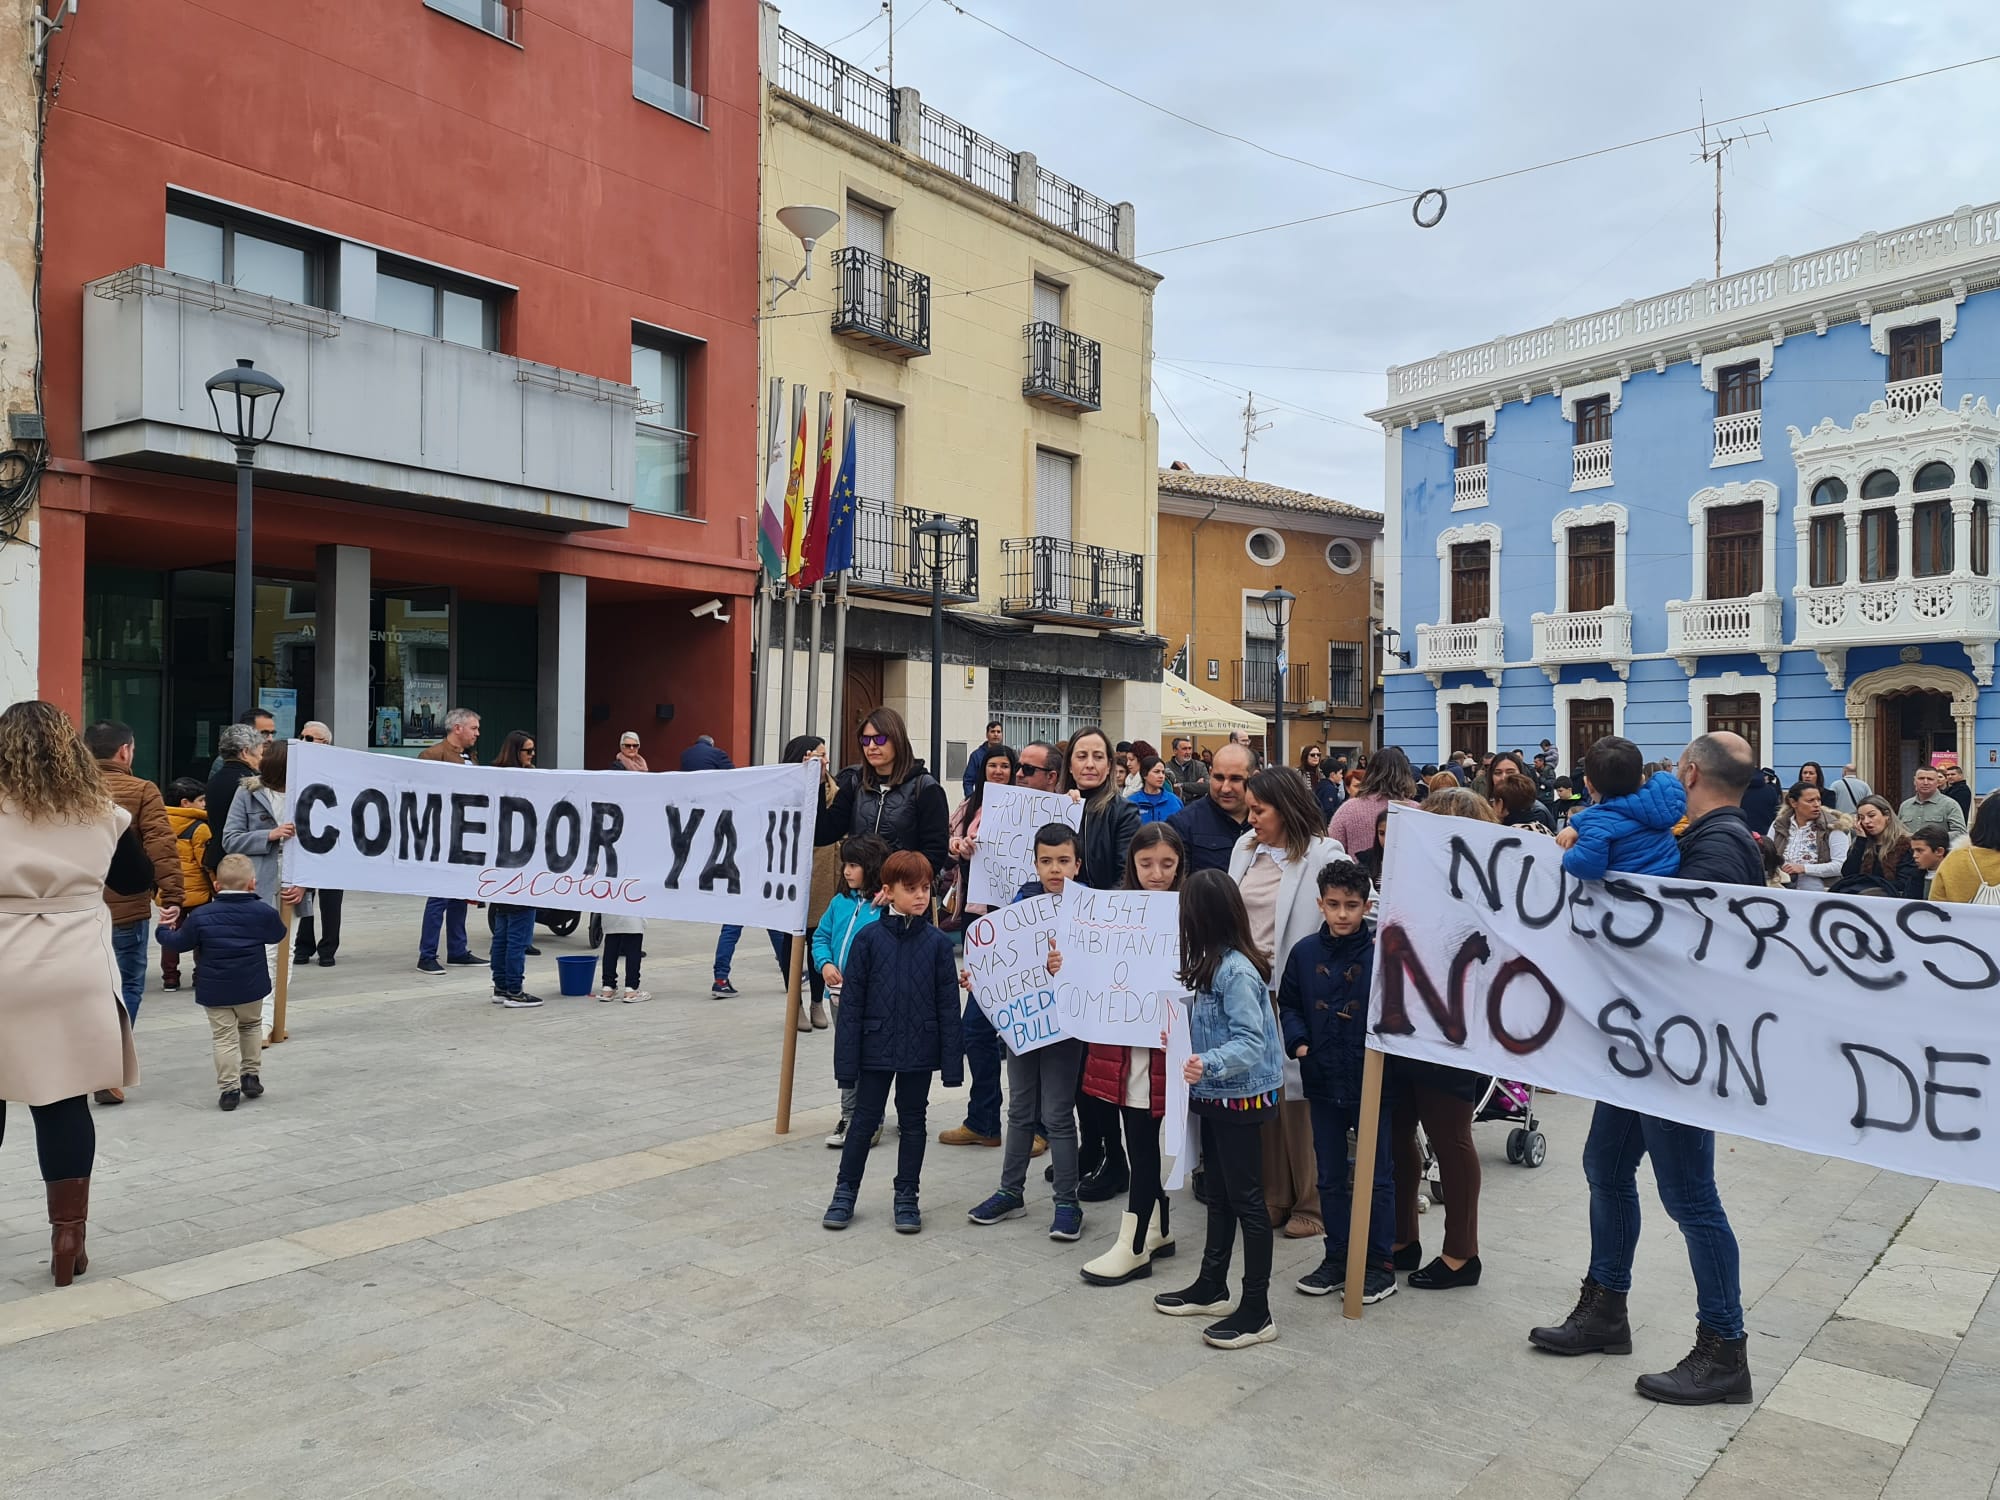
[282, 704]
[388, 725]
[423, 709]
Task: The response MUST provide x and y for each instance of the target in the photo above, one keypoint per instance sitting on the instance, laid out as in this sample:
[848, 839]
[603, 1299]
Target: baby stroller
[1515, 1102]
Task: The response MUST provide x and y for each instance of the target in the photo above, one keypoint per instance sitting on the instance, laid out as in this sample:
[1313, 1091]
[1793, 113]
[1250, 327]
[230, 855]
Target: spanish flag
[795, 502]
[814, 568]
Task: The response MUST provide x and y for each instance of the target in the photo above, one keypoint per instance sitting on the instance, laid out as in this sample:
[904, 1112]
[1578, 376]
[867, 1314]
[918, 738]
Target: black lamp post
[938, 537]
[1278, 610]
[239, 400]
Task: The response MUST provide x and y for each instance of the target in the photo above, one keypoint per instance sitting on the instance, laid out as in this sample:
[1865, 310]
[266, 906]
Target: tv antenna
[1251, 428]
[1714, 149]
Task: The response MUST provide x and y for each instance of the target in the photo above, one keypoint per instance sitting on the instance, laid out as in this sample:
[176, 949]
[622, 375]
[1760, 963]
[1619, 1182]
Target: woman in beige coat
[63, 1028]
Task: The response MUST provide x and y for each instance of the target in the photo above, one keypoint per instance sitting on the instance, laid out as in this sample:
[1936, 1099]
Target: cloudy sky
[1311, 316]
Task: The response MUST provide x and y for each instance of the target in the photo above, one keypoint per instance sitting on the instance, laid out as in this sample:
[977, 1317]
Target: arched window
[1934, 476]
[1829, 492]
[1880, 485]
[1978, 475]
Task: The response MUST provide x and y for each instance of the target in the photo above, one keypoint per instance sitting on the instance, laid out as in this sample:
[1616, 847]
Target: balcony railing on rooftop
[1253, 682]
[1064, 369]
[1068, 206]
[964, 152]
[827, 82]
[883, 305]
[890, 561]
[1064, 582]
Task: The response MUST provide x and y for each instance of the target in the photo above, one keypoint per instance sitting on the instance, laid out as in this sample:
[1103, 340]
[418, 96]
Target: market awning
[1186, 709]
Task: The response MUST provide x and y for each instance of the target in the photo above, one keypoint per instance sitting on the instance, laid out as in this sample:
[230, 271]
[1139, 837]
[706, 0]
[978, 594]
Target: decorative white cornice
[1736, 492]
[1742, 354]
[1944, 313]
[1488, 416]
[1591, 515]
[1452, 536]
[1970, 418]
[1590, 390]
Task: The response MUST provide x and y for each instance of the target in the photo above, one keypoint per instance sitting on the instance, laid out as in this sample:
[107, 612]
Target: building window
[1035, 706]
[419, 301]
[1879, 485]
[1735, 550]
[1470, 733]
[1471, 582]
[1829, 552]
[1590, 720]
[1048, 303]
[1593, 574]
[1593, 420]
[1933, 476]
[1878, 545]
[1471, 449]
[663, 449]
[1342, 555]
[1916, 351]
[1930, 538]
[246, 254]
[1345, 666]
[1979, 474]
[1737, 713]
[663, 57]
[1739, 389]
[1055, 494]
[1982, 518]
[496, 16]
[1265, 546]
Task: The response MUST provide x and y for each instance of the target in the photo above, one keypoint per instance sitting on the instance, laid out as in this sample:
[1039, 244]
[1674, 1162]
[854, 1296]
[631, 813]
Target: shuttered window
[1055, 489]
[1048, 302]
[874, 450]
[867, 228]
[1593, 578]
[1735, 549]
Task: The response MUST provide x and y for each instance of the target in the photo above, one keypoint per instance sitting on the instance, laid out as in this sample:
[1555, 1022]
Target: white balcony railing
[1739, 437]
[1902, 609]
[1586, 635]
[1480, 646]
[1911, 396]
[1468, 486]
[1590, 465]
[1718, 627]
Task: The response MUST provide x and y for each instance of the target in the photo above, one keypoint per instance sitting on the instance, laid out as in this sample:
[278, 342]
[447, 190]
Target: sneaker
[521, 1000]
[1378, 1285]
[170, 984]
[633, 997]
[1068, 1222]
[838, 1138]
[429, 966]
[909, 1219]
[229, 1100]
[1328, 1277]
[1202, 1300]
[1002, 1205]
[609, 992]
[1237, 1331]
[499, 996]
[722, 989]
[466, 960]
[252, 1086]
[840, 1212]
[964, 1135]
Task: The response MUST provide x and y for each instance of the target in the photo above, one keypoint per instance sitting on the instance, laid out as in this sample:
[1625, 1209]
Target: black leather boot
[1596, 1325]
[1110, 1180]
[1716, 1369]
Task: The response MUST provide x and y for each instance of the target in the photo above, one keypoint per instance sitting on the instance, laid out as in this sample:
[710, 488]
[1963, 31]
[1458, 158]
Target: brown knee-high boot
[69, 1207]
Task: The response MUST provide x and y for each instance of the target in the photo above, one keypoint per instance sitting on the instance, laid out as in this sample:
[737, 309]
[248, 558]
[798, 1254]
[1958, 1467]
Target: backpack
[1989, 895]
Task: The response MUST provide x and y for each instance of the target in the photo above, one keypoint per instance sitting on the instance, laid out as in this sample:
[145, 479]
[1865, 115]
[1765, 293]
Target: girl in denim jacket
[1235, 1078]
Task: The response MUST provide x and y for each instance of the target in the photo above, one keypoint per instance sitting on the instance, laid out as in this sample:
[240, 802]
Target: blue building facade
[1761, 503]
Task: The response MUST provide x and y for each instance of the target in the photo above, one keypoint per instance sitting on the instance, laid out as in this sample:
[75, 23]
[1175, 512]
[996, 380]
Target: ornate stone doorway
[1901, 716]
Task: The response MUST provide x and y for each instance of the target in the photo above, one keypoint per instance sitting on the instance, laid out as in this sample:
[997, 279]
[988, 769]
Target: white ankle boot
[1120, 1263]
[1159, 1243]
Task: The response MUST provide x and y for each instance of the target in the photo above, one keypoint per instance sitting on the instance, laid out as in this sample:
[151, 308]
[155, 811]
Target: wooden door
[1590, 720]
[860, 696]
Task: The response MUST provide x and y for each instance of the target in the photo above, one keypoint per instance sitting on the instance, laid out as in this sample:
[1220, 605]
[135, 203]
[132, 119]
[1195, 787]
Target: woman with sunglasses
[891, 794]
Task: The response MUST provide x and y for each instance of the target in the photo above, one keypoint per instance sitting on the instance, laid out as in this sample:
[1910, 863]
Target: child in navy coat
[229, 936]
[1323, 1005]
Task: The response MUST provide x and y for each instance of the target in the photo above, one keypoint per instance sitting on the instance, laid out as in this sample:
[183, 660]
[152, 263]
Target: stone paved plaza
[462, 1251]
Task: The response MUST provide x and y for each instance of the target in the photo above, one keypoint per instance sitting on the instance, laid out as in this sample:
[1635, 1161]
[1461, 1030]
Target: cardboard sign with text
[1121, 957]
[1005, 859]
[1006, 953]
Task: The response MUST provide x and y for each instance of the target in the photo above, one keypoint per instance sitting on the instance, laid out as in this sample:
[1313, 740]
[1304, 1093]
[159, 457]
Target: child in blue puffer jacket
[232, 976]
[1630, 828]
[854, 908]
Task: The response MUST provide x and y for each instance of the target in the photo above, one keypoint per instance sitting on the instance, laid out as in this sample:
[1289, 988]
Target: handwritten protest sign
[1005, 859]
[1846, 1026]
[1179, 1137]
[1006, 953]
[1121, 956]
[700, 846]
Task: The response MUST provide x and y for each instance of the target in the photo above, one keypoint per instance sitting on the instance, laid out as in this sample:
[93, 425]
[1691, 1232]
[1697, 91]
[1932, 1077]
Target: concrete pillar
[340, 640]
[1025, 196]
[909, 121]
[1126, 240]
[559, 695]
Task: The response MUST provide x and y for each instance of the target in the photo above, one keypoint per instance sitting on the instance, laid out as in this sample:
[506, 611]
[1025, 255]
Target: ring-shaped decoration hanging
[1422, 210]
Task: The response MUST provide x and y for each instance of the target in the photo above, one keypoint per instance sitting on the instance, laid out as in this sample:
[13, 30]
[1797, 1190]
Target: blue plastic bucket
[577, 972]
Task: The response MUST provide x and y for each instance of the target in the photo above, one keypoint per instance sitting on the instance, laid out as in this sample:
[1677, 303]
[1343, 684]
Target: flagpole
[791, 608]
[816, 565]
[760, 619]
[836, 729]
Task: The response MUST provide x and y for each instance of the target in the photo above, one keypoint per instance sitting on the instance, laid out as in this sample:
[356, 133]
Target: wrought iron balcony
[1254, 683]
[890, 561]
[883, 305]
[1584, 635]
[1067, 583]
[1720, 627]
[1065, 369]
[1479, 646]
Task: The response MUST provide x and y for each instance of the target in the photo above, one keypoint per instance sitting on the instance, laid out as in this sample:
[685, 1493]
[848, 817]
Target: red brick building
[505, 263]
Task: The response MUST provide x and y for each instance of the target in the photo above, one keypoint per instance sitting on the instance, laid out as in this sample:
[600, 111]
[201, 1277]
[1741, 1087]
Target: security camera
[712, 610]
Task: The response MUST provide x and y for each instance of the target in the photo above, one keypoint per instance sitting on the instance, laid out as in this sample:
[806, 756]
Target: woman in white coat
[1276, 867]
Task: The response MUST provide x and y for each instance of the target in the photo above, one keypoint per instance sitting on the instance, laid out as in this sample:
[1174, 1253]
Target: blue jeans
[982, 1066]
[450, 915]
[513, 926]
[1684, 1168]
[128, 942]
[725, 950]
[1331, 1122]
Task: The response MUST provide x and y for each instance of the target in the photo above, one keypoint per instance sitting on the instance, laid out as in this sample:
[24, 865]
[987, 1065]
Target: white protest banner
[1005, 859]
[698, 846]
[1121, 958]
[1846, 1026]
[1006, 953]
[1180, 1138]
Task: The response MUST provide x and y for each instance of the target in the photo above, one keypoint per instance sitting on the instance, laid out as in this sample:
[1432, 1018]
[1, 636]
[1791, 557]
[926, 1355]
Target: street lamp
[238, 398]
[1278, 610]
[935, 536]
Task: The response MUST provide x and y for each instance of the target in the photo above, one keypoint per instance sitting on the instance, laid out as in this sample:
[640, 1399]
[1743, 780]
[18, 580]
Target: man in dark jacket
[1211, 826]
[112, 744]
[1187, 777]
[975, 763]
[705, 755]
[228, 937]
[1716, 849]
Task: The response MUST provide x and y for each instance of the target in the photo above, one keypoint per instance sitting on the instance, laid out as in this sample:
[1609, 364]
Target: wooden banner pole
[1367, 1137]
[800, 942]
[277, 1032]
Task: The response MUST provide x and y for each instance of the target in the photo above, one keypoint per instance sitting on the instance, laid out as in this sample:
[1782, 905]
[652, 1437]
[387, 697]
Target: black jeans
[1097, 1141]
[65, 1137]
[625, 945]
[319, 933]
[781, 945]
[913, 1097]
[1232, 1152]
[1142, 1145]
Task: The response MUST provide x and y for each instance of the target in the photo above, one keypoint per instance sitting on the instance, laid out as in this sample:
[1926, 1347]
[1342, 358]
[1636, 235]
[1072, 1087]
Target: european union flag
[840, 526]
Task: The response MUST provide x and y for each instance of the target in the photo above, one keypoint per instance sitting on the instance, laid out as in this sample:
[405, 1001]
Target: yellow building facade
[982, 327]
[1225, 542]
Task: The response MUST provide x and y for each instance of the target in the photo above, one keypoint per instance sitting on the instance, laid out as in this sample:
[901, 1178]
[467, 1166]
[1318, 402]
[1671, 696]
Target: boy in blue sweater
[1629, 829]
[1323, 1008]
[229, 936]
[898, 1025]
